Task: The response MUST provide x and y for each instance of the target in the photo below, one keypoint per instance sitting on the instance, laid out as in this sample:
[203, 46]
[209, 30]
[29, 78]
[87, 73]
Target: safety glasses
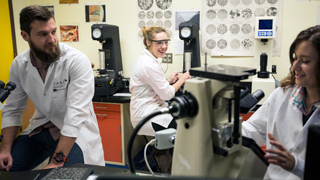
[160, 43]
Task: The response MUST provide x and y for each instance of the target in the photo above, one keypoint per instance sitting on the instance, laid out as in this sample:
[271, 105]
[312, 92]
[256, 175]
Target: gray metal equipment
[110, 79]
[208, 141]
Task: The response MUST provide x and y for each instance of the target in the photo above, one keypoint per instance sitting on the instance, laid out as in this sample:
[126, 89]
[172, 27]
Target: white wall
[123, 13]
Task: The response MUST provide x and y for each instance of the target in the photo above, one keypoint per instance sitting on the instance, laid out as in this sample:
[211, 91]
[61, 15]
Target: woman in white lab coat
[282, 121]
[148, 86]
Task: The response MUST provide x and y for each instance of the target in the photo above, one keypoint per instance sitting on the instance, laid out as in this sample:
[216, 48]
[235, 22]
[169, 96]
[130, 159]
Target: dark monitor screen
[265, 24]
[312, 165]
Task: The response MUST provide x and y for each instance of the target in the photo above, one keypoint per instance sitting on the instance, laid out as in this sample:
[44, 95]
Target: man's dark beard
[43, 55]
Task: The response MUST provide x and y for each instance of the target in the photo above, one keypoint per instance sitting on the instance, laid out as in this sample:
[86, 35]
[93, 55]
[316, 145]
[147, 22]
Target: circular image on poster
[259, 12]
[211, 3]
[272, 1]
[159, 14]
[211, 44]
[246, 13]
[246, 28]
[272, 11]
[222, 14]
[150, 14]
[235, 2]
[167, 23]
[141, 24]
[167, 14]
[142, 15]
[222, 29]
[260, 2]
[211, 29]
[150, 23]
[211, 14]
[145, 4]
[159, 23]
[234, 28]
[222, 44]
[140, 34]
[169, 32]
[222, 2]
[163, 4]
[246, 2]
[235, 44]
[247, 44]
[234, 13]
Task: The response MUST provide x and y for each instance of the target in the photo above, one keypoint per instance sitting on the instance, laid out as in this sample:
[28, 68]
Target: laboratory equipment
[265, 30]
[110, 77]
[5, 91]
[208, 142]
[189, 33]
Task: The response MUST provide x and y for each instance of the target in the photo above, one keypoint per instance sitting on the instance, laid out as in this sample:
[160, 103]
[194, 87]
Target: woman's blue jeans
[28, 152]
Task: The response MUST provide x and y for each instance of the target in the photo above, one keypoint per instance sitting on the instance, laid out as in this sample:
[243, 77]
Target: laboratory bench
[113, 116]
[97, 173]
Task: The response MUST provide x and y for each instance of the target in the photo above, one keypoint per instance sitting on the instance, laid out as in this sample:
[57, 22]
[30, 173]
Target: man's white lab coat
[65, 99]
[283, 120]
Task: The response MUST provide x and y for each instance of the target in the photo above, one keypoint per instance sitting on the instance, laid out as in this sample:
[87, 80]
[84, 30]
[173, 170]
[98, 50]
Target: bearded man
[59, 81]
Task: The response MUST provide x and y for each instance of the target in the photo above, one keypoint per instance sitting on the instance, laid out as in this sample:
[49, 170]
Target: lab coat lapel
[34, 72]
[301, 139]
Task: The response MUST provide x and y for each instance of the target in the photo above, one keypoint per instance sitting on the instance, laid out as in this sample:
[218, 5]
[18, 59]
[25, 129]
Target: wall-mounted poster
[68, 1]
[69, 33]
[51, 9]
[155, 13]
[95, 13]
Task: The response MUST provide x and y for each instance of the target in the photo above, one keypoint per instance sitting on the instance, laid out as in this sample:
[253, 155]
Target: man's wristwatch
[59, 157]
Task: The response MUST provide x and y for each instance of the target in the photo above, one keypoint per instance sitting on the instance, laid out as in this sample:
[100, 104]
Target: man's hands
[279, 156]
[54, 164]
[5, 161]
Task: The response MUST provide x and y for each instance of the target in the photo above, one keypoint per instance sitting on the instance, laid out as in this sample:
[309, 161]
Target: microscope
[189, 33]
[110, 78]
[5, 91]
[208, 140]
[263, 50]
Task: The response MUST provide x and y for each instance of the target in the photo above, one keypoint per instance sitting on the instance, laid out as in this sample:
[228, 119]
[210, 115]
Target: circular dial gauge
[185, 32]
[96, 33]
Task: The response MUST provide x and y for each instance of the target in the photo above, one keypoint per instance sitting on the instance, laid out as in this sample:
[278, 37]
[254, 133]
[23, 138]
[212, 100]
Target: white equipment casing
[193, 149]
[267, 85]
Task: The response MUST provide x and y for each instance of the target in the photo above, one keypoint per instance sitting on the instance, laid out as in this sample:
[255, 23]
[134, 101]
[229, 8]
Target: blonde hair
[149, 33]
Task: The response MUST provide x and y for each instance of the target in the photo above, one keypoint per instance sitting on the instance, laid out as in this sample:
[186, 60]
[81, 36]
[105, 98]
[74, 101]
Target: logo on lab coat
[59, 85]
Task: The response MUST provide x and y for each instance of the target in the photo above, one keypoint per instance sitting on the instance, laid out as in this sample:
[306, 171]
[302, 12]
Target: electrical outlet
[167, 58]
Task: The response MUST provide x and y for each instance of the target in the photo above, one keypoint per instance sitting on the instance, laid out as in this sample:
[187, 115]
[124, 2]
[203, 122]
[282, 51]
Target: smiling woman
[282, 122]
[148, 86]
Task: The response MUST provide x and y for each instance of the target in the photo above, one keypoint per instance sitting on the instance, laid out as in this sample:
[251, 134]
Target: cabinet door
[110, 135]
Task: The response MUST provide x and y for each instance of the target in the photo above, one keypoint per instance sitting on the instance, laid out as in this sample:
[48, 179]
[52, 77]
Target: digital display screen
[265, 24]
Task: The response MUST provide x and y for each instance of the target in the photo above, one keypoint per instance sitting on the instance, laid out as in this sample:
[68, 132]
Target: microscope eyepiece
[5, 91]
[2, 84]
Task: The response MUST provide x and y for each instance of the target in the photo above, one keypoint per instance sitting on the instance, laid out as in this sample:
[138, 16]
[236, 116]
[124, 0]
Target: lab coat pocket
[60, 98]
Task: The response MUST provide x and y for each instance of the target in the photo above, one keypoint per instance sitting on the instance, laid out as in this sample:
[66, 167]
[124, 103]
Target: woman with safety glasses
[148, 86]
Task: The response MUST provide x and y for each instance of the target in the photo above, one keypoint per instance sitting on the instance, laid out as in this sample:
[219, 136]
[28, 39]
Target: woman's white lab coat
[283, 120]
[149, 91]
[65, 99]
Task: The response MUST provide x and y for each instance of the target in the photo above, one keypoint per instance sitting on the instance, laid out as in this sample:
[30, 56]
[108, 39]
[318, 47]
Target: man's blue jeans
[28, 152]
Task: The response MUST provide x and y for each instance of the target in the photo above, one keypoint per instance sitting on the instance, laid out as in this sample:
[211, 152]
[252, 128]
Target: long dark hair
[311, 35]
